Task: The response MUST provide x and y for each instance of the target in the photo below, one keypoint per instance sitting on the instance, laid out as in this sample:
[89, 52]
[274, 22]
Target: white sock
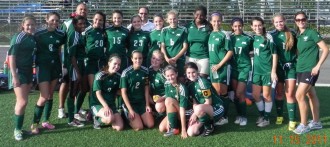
[260, 105]
[268, 106]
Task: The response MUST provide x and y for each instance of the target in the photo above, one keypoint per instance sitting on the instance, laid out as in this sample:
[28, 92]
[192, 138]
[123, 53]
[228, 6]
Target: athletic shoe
[222, 121]
[172, 132]
[264, 123]
[79, 117]
[243, 121]
[279, 120]
[18, 134]
[292, 125]
[48, 126]
[238, 120]
[76, 123]
[315, 125]
[207, 132]
[61, 113]
[301, 129]
[34, 128]
[96, 123]
[82, 111]
[260, 119]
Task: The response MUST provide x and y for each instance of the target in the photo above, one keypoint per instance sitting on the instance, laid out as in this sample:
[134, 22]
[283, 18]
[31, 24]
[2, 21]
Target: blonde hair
[289, 41]
[172, 12]
[157, 51]
[27, 17]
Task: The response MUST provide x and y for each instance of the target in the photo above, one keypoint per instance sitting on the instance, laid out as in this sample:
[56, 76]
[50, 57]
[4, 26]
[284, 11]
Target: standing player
[69, 29]
[21, 52]
[105, 89]
[264, 70]
[49, 41]
[285, 42]
[117, 37]
[174, 43]
[176, 102]
[241, 66]
[308, 69]
[77, 71]
[155, 36]
[220, 52]
[135, 92]
[146, 25]
[198, 34]
[138, 39]
[157, 80]
[207, 105]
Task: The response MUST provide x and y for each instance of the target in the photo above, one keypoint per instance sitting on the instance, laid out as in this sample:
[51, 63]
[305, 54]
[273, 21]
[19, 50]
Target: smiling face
[279, 23]
[172, 20]
[137, 59]
[237, 27]
[156, 60]
[199, 17]
[257, 27]
[117, 19]
[80, 26]
[53, 22]
[136, 23]
[300, 21]
[171, 76]
[114, 65]
[98, 21]
[29, 26]
[192, 74]
[143, 13]
[82, 10]
[159, 22]
[216, 22]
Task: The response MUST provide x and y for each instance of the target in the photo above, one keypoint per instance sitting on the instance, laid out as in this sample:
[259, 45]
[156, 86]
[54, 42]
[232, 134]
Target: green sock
[292, 108]
[18, 119]
[173, 119]
[37, 113]
[266, 115]
[48, 109]
[237, 106]
[226, 102]
[243, 108]
[70, 106]
[79, 101]
[279, 107]
[205, 119]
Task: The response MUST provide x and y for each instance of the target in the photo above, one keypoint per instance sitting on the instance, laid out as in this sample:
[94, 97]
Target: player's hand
[107, 111]
[192, 120]
[131, 115]
[215, 68]
[274, 76]
[16, 82]
[148, 109]
[160, 99]
[315, 71]
[184, 134]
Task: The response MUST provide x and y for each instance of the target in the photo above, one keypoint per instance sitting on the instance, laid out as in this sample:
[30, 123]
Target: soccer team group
[190, 70]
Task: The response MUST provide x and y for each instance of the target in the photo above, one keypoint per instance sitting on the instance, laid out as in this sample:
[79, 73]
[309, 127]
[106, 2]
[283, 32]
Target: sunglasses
[303, 20]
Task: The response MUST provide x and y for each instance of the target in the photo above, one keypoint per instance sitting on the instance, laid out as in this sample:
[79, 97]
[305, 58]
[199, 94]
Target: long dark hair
[132, 28]
[298, 13]
[112, 57]
[236, 19]
[262, 22]
[190, 65]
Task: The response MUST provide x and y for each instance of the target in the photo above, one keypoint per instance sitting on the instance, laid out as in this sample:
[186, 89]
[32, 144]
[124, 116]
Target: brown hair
[27, 17]
[289, 41]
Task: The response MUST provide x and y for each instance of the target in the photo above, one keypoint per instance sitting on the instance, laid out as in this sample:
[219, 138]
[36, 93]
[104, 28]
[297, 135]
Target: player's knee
[160, 108]
[198, 110]
[169, 102]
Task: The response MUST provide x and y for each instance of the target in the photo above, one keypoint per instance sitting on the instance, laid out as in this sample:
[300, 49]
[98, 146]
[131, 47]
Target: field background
[227, 135]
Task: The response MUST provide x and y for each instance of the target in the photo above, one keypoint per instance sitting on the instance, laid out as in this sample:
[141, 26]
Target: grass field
[227, 135]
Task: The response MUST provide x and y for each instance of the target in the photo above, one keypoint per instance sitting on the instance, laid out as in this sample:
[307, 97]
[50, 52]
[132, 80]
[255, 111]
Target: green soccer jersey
[308, 50]
[94, 39]
[173, 38]
[156, 80]
[76, 48]
[284, 56]
[135, 81]
[202, 89]
[48, 46]
[243, 45]
[117, 38]
[108, 85]
[139, 40]
[154, 41]
[23, 47]
[198, 40]
[219, 45]
[179, 92]
[263, 51]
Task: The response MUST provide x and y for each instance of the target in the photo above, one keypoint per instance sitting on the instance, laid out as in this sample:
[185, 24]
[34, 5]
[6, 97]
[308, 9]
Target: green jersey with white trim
[135, 81]
[243, 45]
[173, 38]
[117, 38]
[263, 51]
[178, 92]
[157, 80]
[308, 50]
[154, 40]
[94, 39]
[139, 40]
[198, 40]
[284, 56]
[108, 85]
[219, 44]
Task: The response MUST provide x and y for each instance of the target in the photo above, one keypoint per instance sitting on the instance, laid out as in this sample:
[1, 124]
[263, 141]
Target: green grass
[228, 135]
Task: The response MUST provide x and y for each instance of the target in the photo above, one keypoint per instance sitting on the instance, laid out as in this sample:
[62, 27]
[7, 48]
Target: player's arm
[324, 55]
[126, 100]
[182, 51]
[163, 50]
[183, 122]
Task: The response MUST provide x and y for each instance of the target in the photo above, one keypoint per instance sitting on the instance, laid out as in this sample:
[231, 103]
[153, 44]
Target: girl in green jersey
[264, 70]
[309, 42]
[49, 40]
[285, 42]
[21, 52]
[155, 36]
